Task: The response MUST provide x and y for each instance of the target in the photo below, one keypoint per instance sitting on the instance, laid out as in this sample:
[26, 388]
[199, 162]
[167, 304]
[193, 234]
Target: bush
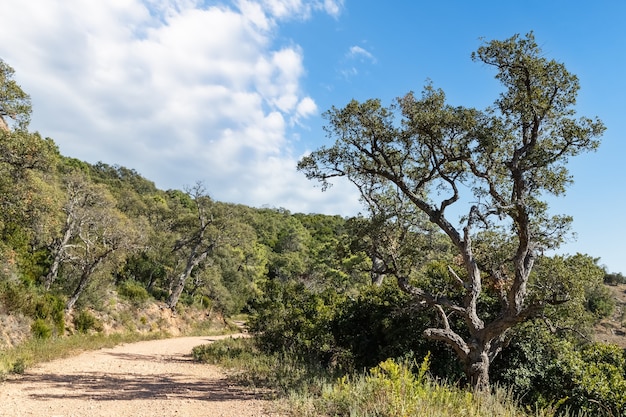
[40, 329]
[19, 366]
[600, 301]
[224, 351]
[614, 279]
[382, 323]
[15, 297]
[51, 307]
[292, 318]
[598, 380]
[84, 321]
[335, 330]
[543, 370]
[133, 291]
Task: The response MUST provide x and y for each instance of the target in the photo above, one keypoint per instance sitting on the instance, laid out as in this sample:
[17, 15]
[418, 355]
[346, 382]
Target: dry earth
[155, 378]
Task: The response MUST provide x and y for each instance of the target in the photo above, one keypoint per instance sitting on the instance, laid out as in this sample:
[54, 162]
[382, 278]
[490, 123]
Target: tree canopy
[14, 102]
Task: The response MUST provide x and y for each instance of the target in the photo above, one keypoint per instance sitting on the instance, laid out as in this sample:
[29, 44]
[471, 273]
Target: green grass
[393, 389]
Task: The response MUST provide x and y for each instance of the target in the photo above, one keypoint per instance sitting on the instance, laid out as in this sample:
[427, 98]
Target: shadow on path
[125, 387]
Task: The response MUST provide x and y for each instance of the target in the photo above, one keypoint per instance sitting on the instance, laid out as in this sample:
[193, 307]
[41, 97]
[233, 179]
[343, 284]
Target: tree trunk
[378, 268]
[84, 279]
[193, 261]
[477, 369]
[82, 284]
[54, 271]
[179, 285]
[59, 252]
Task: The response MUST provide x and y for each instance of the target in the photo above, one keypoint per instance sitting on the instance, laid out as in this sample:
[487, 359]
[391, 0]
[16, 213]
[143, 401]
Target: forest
[482, 304]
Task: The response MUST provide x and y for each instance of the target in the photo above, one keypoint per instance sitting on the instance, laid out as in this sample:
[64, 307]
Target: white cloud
[177, 90]
[354, 59]
[306, 107]
[356, 52]
[302, 9]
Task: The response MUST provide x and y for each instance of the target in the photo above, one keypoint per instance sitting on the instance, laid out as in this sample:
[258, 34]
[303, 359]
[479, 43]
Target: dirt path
[155, 378]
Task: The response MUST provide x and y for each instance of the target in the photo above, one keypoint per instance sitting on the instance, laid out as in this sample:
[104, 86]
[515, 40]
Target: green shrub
[283, 372]
[160, 294]
[598, 380]
[544, 370]
[15, 296]
[133, 291]
[223, 351]
[359, 332]
[51, 307]
[292, 318]
[615, 279]
[40, 329]
[382, 323]
[19, 366]
[84, 321]
[600, 301]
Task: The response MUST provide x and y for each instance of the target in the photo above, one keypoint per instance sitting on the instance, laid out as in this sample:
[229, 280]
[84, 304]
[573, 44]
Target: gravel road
[146, 379]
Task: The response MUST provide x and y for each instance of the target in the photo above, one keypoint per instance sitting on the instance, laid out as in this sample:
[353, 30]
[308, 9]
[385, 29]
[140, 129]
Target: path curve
[155, 378]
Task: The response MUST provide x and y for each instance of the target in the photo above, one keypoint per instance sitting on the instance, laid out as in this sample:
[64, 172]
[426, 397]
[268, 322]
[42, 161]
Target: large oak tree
[495, 166]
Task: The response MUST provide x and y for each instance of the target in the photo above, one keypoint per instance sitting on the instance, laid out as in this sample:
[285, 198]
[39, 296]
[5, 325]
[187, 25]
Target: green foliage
[47, 308]
[381, 323]
[615, 278]
[84, 321]
[40, 329]
[596, 380]
[600, 301]
[544, 370]
[51, 307]
[134, 292]
[224, 352]
[292, 318]
[14, 102]
[285, 373]
[19, 366]
[14, 296]
[346, 332]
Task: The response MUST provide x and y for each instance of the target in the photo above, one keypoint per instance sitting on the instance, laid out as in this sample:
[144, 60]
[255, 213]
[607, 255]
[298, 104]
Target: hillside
[613, 329]
[118, 317]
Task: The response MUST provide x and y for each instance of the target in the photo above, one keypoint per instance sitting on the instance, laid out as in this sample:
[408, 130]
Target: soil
[155, 378]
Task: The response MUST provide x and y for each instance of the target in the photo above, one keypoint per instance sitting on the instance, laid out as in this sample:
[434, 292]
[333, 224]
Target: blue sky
[231, 92]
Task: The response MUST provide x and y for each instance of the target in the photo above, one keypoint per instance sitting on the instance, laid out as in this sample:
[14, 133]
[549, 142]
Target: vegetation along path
[153, 378]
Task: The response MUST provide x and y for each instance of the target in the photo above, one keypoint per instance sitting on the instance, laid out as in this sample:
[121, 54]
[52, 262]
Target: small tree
[506, 158]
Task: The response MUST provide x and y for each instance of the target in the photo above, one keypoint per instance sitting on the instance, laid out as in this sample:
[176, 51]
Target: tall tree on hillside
[209, 227]
[94, 233]
[82, 197]
[497, 166]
